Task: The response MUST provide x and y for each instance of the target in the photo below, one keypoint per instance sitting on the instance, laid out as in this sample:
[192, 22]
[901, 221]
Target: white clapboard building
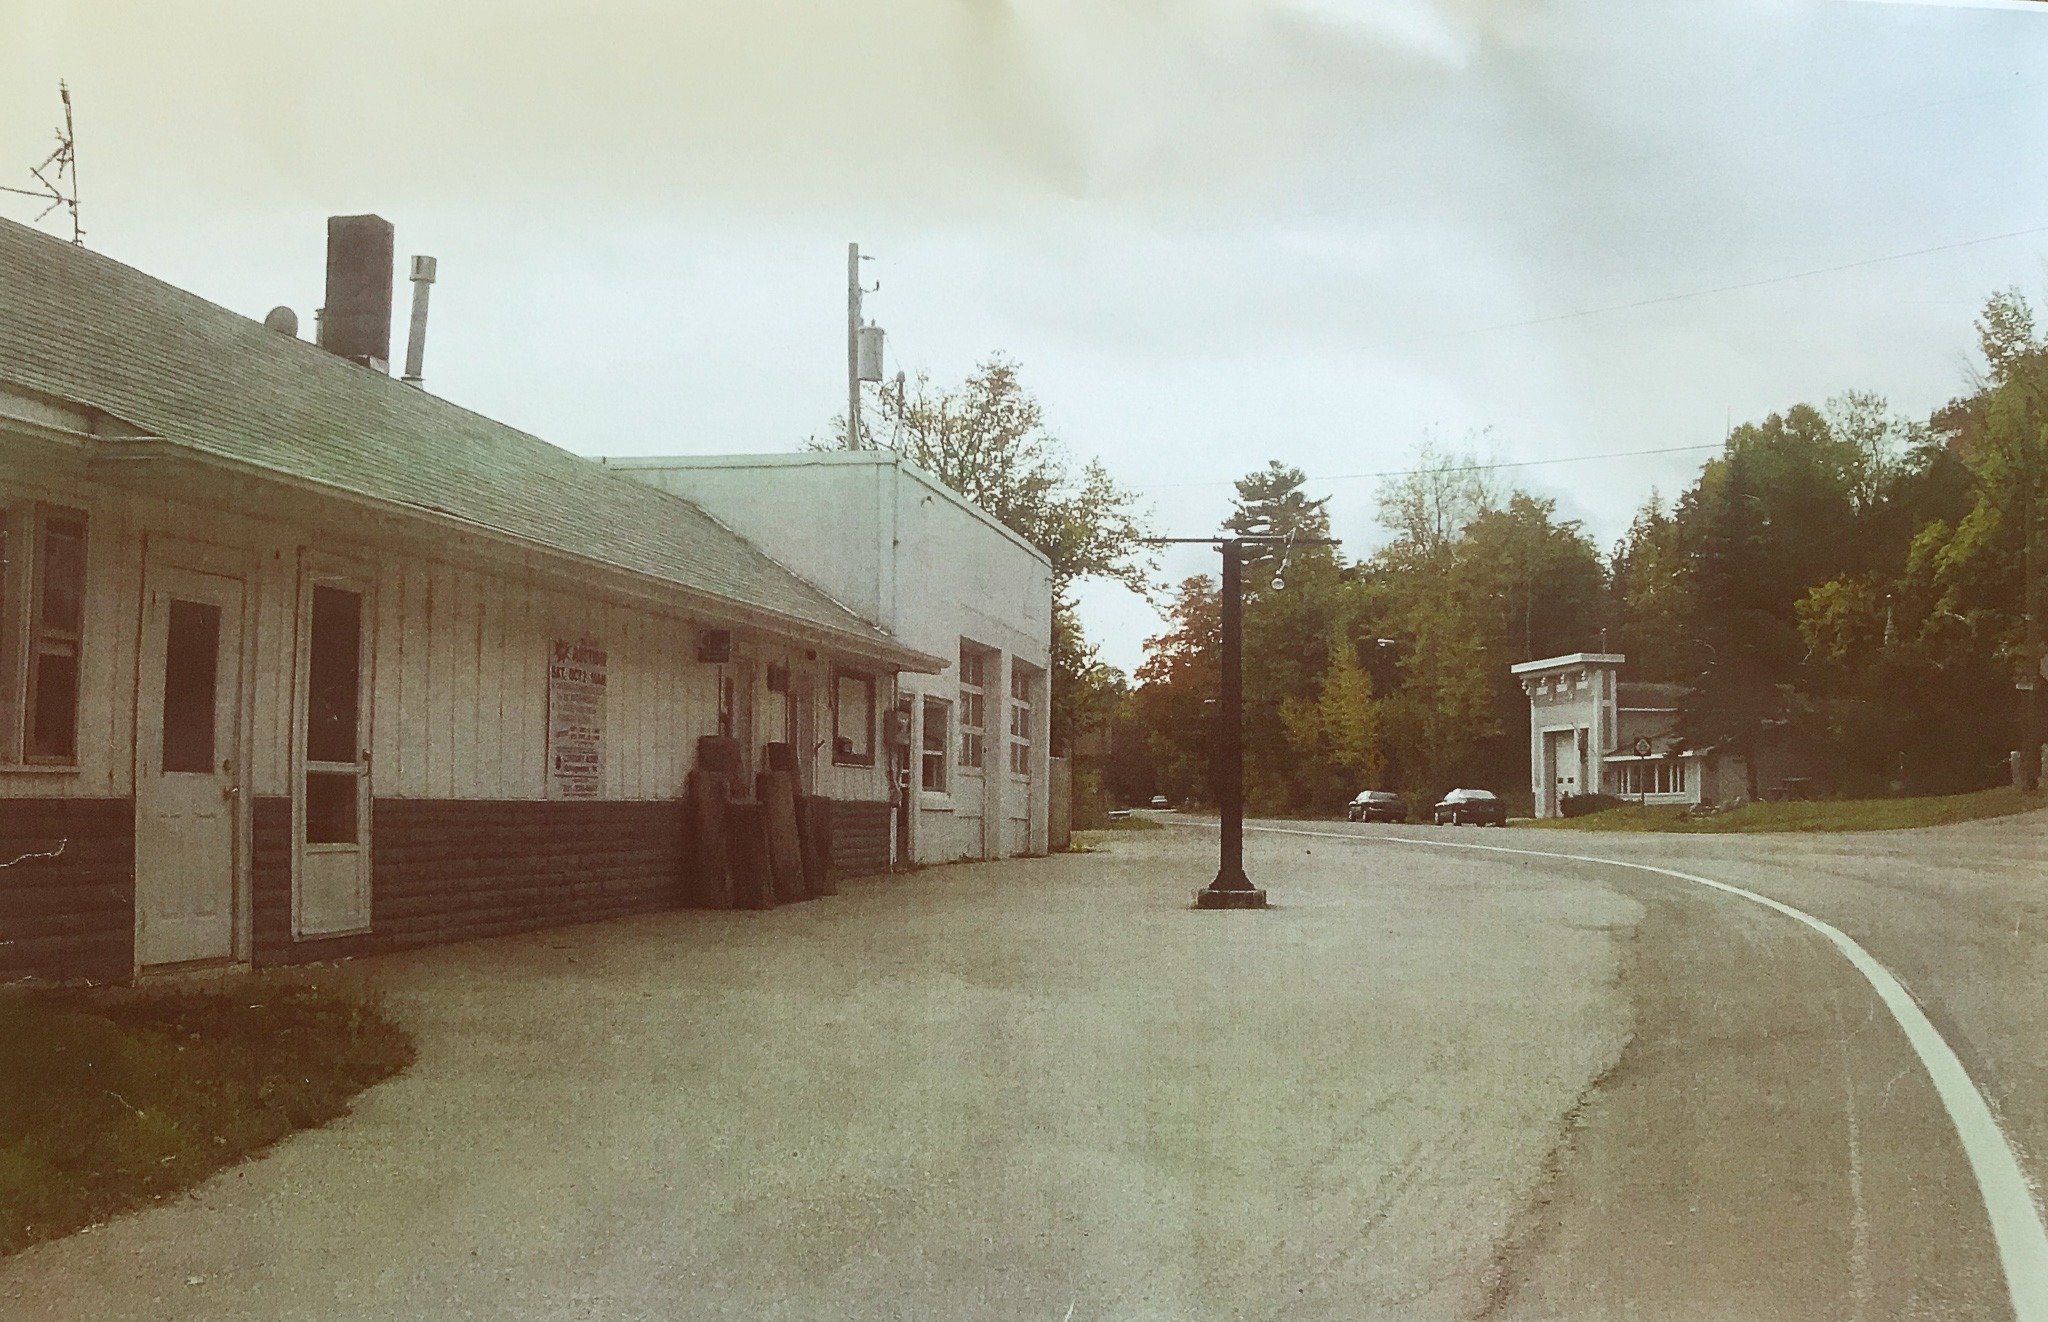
[905, 552]
[298, 660]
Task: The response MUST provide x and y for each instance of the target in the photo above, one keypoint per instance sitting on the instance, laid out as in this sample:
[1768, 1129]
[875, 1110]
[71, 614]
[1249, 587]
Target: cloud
[941, 107]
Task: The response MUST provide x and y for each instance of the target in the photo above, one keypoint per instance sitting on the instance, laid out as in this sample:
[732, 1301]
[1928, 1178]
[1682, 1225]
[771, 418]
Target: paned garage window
[1020, 720]
[974, 668]
[938, 738]
[42, 627]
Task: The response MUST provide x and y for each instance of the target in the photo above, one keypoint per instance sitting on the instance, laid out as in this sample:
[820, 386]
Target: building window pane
[191, 670]
[1020, 719]
[63, 594]
[853, 719]
[937, 739]
[55, 628]
[331, 808]
[54, 737]
[334, 678]
[973, 705]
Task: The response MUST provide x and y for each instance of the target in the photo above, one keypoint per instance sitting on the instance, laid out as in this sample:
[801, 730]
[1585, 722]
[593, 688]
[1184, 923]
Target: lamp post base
[1212, 897]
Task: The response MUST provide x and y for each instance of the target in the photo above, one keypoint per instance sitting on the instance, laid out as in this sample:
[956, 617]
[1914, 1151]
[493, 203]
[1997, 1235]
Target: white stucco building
[943, 577]
[1591, 732]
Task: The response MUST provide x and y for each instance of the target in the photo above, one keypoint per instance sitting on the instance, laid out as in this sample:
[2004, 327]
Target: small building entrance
[187, 777]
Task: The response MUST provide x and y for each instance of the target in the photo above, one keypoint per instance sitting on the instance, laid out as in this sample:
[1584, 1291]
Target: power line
[1753, 284]
[1467, 468]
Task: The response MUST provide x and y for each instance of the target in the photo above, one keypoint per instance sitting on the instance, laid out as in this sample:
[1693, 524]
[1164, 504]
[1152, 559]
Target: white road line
[2008, 1198]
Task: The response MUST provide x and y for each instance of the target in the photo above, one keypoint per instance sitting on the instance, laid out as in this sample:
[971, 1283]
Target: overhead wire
[1465, 468]
[1753, 284]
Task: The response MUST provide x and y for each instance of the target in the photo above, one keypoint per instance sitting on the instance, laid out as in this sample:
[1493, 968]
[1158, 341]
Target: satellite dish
[283, 320]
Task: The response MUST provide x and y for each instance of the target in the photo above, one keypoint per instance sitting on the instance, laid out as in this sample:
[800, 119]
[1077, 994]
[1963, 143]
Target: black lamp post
[1232, 889]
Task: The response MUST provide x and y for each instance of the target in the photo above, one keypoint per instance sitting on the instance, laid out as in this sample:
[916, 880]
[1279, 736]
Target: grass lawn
[1085, 839]
[1813, 815]
[112, 1099]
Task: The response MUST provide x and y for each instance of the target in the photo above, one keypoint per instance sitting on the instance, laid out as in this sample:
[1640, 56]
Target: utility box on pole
[868, 353]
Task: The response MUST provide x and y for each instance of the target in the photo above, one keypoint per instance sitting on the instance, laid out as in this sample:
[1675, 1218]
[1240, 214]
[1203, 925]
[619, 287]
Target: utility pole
[2030, 605]
[853, 294]
[1232, 889]
[863, 346]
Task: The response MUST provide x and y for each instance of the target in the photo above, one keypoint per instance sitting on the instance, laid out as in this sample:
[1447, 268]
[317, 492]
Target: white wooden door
[331, 803]
[187, 778]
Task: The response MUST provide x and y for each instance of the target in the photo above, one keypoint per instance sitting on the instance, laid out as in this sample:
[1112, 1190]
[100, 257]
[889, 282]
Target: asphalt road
[1431, 1083]
[1768, 1144]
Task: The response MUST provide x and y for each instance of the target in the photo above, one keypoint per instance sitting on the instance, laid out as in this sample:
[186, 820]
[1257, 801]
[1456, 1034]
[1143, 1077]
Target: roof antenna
[51, 174]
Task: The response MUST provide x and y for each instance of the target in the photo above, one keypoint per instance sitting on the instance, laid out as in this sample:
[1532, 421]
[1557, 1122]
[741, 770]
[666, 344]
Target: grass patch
[1085, 839]
[112, 1099]
[1814, 815]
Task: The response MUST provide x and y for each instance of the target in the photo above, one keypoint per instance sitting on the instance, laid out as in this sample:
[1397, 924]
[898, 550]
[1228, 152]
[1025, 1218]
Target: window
[191, 675]
[1020, 720]
[973, 705]
[42, 622]
[853, 719]
[1664, 776]
[334, 695]
[937, 739]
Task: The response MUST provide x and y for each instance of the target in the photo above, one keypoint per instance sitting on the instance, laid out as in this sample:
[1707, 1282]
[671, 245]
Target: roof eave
[853, 642]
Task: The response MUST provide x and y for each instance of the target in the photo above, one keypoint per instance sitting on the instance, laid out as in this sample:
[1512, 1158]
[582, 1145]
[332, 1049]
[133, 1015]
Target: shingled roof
[81, 327]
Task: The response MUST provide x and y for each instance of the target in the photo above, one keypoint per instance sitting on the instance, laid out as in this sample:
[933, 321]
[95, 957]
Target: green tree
[1291, 608]
[1178, 684]
[1651, 596]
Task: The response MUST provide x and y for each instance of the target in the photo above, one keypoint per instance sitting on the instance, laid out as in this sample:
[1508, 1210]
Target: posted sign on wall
[576, 684]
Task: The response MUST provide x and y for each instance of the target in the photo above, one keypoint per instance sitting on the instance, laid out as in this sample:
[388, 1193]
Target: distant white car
[1159, 801]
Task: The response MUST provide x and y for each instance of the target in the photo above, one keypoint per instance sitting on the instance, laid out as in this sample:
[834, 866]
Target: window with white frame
[1663, 776]
[938, 740]
[1020, 720]
[42, 625]
[974, 668]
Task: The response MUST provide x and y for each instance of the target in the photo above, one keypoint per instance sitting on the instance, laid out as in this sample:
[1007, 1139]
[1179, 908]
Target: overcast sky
[1213, 233]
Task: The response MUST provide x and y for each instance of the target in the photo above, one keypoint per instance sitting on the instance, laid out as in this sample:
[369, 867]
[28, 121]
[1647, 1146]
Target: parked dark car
[1377, 806]
[1471, 808]
[1159, 801]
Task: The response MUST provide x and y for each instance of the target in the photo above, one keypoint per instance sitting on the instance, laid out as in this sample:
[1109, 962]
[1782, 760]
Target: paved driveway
[1041, 1088]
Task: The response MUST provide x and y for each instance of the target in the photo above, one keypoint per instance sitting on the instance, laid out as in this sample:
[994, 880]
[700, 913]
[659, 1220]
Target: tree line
[1839, 585]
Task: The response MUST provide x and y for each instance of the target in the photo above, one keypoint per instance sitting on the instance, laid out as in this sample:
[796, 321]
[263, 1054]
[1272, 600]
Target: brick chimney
[356, 323]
